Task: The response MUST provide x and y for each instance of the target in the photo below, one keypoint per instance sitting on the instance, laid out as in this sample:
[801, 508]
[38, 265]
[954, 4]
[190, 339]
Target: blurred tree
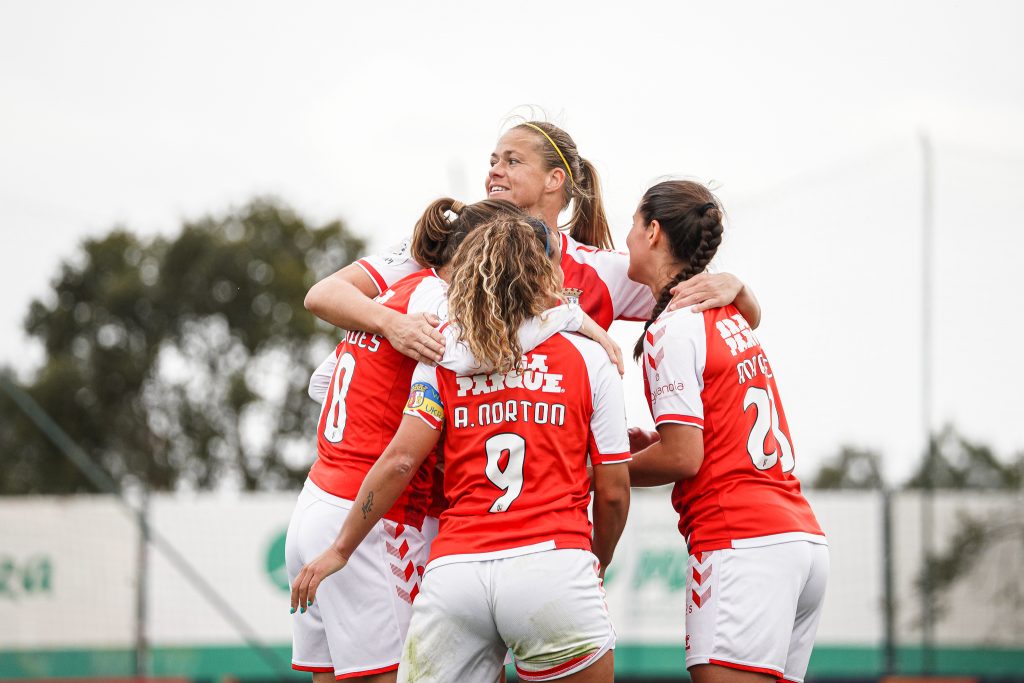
[954, 462]
[851, 468]
[181, 362]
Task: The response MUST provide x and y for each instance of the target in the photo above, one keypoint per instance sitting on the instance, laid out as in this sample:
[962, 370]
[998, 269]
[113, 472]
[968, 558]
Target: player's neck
[665, 270]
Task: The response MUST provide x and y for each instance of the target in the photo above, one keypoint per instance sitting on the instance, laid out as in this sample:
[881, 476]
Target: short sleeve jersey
[516, 448]
[708, 370]
[363, 406]
[593, 278]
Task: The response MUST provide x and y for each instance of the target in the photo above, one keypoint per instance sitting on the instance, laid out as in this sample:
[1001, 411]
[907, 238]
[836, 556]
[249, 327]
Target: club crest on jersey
[424, 399]
[534, 377]
[572, 295]
[736, 333]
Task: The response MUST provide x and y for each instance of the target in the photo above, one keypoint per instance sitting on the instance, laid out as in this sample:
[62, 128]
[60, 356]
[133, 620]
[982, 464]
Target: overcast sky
[805, 115]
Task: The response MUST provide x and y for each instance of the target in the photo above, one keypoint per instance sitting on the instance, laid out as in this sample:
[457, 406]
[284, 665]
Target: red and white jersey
[596, 279]
[709, 371]
[593, 278]
[516, 447]
[387, 268]
[363, 405]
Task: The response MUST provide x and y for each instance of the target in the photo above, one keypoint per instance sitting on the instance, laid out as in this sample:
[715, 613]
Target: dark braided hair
[691, 219]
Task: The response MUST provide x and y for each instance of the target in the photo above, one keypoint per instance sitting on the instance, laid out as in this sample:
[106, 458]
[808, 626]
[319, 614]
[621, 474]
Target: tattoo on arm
[368, 505]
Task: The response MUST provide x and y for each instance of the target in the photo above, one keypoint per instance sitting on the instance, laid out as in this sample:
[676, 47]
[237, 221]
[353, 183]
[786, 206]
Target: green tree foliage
[181, 362]
[851, 468]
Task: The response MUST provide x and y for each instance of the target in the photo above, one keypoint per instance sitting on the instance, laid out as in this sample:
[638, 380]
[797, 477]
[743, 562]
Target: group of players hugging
[475, 411]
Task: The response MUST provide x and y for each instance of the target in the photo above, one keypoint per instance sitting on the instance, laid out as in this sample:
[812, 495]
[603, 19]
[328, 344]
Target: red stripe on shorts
[547, 673]
[746, 667]
[314, 669]
[371, 672]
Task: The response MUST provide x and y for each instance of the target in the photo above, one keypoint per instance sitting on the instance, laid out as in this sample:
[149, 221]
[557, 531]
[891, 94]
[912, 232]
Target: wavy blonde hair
[500, 277]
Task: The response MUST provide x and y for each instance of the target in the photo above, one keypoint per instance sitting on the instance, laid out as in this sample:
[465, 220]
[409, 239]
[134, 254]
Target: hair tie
[705, 208]
[457, 206]
[541, 131]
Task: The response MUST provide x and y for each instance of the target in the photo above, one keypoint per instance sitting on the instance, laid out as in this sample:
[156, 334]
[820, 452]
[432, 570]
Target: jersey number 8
[337, 414]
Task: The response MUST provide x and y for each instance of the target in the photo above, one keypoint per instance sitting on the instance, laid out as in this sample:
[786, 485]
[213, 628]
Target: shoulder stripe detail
[611, 458]
[374, 275]
[681, 419]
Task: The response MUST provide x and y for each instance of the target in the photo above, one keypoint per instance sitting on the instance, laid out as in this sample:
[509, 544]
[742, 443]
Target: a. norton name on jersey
[534, 377]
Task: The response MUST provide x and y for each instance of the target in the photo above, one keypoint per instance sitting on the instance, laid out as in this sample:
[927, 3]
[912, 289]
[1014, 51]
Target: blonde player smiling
[536, 166]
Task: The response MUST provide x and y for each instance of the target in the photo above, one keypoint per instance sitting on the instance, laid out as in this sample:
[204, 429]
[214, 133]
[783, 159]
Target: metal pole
[142, 588]
[889, 595]
[927, 495]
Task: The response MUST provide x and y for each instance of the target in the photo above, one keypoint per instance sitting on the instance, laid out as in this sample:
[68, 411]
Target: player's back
[516, 450]
[744, 492]
[363, 406]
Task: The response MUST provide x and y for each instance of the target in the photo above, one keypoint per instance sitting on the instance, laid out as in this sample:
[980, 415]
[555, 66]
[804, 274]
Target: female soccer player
[357, 628]
[758, 559]
[536, 166]
[514, 563]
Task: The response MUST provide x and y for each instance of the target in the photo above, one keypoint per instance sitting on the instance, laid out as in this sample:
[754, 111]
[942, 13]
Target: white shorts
[756, 609]
[357, 624]
[430, 528]
[547, 607]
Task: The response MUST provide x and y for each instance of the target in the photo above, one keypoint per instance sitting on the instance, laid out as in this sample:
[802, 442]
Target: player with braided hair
[538, 167]
[758, 561]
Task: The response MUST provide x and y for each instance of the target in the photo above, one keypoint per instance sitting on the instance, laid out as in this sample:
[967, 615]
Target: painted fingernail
[309, 603]
[302, 610]
[293, 610]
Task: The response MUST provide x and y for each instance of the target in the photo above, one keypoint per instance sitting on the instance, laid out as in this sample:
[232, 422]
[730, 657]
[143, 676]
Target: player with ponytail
[758, 561]
[356, 630]
[538, 167]
[517, 434]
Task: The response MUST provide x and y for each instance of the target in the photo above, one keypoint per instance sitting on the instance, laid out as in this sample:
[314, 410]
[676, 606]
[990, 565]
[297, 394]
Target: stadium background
[870, 159]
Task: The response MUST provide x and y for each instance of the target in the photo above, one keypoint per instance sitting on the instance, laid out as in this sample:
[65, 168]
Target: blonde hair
[588, 223]
[500, 277]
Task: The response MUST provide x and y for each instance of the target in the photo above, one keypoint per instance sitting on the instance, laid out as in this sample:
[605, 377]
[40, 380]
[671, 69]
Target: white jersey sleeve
[320, 380]
[430, 296]
[391, 266]
[424, 398]
[675, 353]
[629, 300]
[609, 442]
[533, 332]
